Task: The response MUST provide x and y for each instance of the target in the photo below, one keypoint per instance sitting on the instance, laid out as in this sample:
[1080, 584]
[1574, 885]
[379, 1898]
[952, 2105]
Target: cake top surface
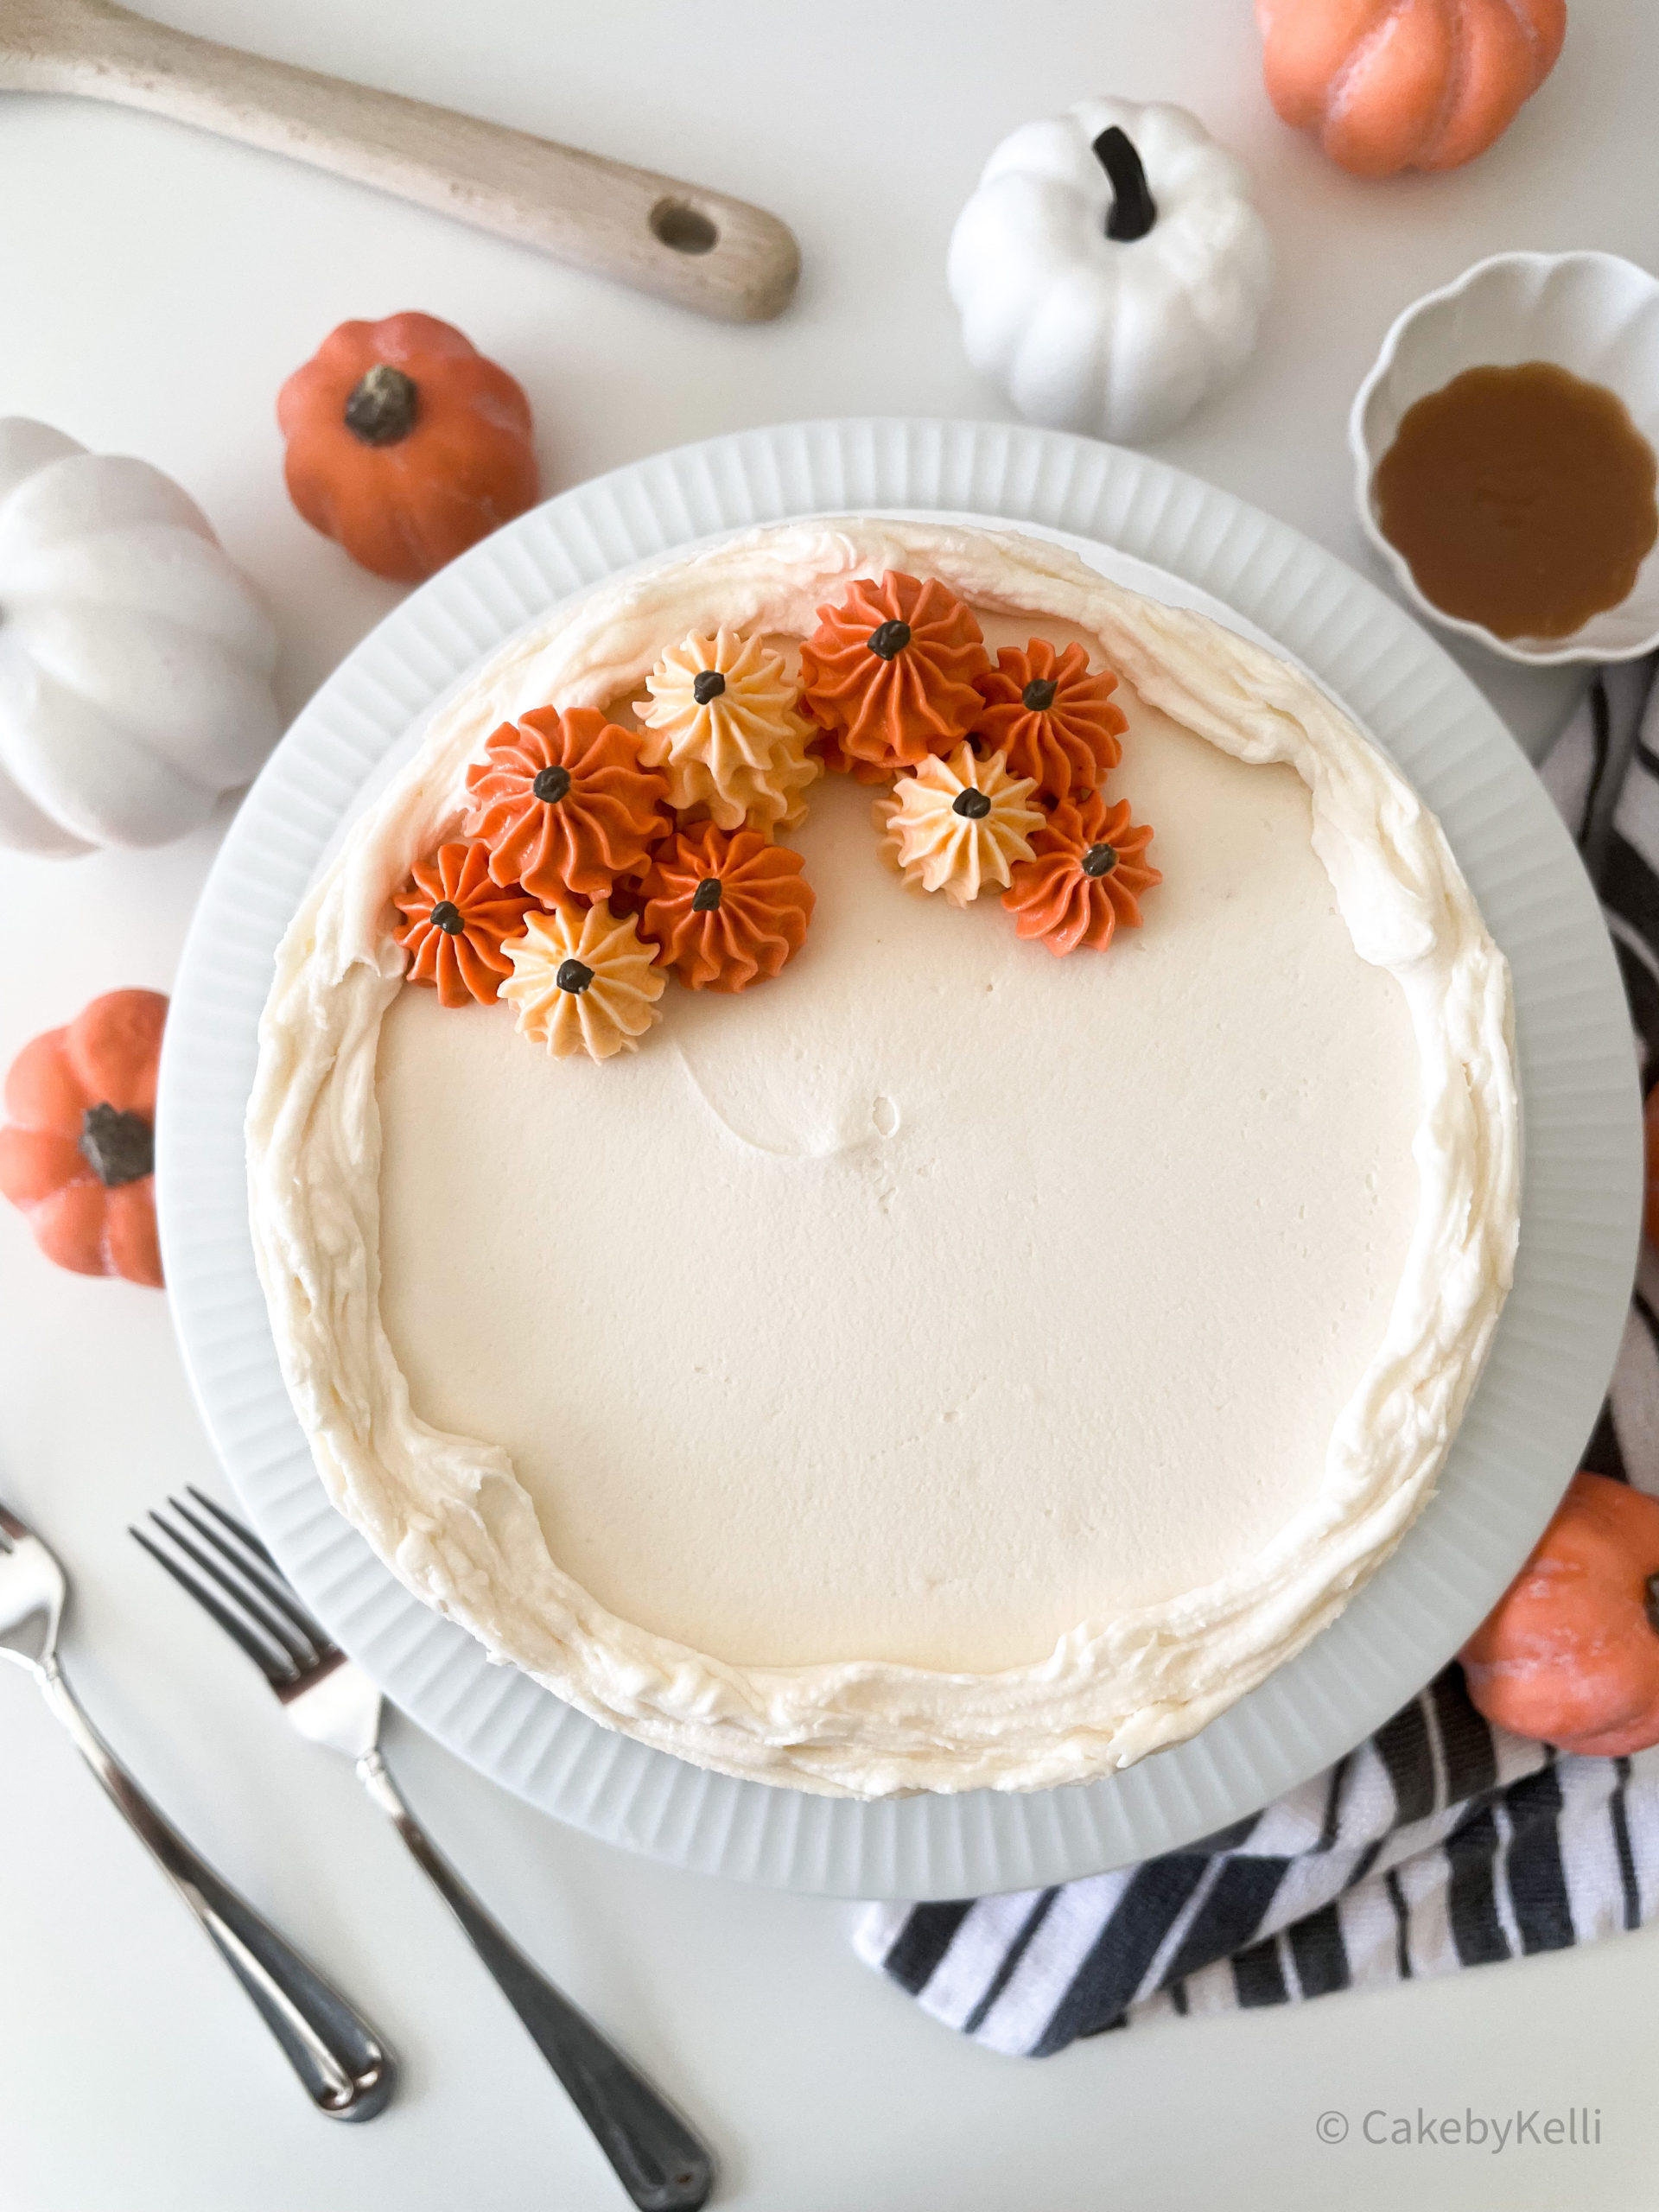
[947, 1364]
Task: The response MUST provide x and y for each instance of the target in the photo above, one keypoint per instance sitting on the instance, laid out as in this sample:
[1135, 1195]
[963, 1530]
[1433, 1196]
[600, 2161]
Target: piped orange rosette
[1053, 716]
[1088, 867]
[888, 675]
[455, 919]
[727, 908]
[565, 804]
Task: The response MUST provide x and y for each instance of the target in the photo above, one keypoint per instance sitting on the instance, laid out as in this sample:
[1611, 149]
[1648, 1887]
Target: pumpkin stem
[1133, 211]
[381, 408]
[1653, 1603]
[118, 1147]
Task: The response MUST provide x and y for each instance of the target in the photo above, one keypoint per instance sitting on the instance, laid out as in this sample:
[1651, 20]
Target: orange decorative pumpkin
[77, 1153]
[1571, 1656]
[405, 445]
[1650, 1132]
[1391, 84]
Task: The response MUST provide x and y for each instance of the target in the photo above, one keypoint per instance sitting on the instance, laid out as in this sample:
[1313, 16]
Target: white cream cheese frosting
[1003, 1363]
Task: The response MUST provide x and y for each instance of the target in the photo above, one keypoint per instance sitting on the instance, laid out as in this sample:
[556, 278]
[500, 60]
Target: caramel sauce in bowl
[1521, 497]
[1504, 451]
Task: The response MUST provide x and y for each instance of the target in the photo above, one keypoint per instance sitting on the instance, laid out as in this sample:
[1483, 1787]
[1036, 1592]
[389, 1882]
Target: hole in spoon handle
[684, 228]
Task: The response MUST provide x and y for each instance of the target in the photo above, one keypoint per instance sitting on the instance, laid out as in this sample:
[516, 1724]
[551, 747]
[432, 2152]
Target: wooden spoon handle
[699, 249]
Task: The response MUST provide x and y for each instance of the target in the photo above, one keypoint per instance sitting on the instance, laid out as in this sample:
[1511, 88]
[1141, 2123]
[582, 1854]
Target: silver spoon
[345, 2069]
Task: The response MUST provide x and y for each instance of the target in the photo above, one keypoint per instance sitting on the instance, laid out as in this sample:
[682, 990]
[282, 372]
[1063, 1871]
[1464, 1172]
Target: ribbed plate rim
[1555, 1346]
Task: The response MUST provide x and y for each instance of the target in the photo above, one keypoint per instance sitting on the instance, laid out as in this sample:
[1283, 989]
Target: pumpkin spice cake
[887, 1164]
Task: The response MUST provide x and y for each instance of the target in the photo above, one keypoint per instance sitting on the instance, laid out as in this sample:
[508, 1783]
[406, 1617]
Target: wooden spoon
[696, 248]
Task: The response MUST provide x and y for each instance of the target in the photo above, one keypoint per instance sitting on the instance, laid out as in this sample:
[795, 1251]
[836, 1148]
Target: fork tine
[237, 1529]
[297, 1648]
[272, 1586]
[279, 1676]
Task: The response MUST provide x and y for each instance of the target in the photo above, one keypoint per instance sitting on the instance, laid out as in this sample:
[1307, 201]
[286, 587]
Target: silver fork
[331, 1700]
[345, 2067]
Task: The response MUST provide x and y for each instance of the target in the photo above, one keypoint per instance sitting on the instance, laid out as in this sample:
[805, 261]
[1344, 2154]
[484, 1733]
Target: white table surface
[157, 288]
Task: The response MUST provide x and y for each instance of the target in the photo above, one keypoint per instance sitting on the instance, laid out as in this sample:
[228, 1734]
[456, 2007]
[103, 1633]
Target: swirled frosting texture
[564, 805]
[1053, 717]
[1085, 875]
[456, 917]
[727, 909]
[888, 674]
[737, 748]
[581, 981]
[939, 838]
[448, 1511]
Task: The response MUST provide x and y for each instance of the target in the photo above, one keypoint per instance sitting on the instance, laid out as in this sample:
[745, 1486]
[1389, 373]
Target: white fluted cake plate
[1151, 527]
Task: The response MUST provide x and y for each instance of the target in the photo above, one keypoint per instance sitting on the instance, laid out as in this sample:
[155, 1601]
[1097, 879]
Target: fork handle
[657, 2158]
[347, 2071]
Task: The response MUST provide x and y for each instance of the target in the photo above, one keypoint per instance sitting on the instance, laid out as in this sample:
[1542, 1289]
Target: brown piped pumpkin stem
[381, 408]
[1653, 1603]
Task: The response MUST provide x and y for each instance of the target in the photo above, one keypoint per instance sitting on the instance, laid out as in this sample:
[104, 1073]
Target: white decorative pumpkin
[135, 660]
[1110, 269]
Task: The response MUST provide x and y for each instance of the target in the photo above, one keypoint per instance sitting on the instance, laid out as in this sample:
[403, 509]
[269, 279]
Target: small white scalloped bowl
[1592, 314]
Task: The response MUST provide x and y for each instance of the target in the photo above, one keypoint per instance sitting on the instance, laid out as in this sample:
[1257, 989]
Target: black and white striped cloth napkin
[1441, 1842]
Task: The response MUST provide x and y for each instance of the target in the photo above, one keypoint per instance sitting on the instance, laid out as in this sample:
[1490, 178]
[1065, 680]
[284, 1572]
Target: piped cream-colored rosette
[583, 982]
[958, 825]
[721, 723]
